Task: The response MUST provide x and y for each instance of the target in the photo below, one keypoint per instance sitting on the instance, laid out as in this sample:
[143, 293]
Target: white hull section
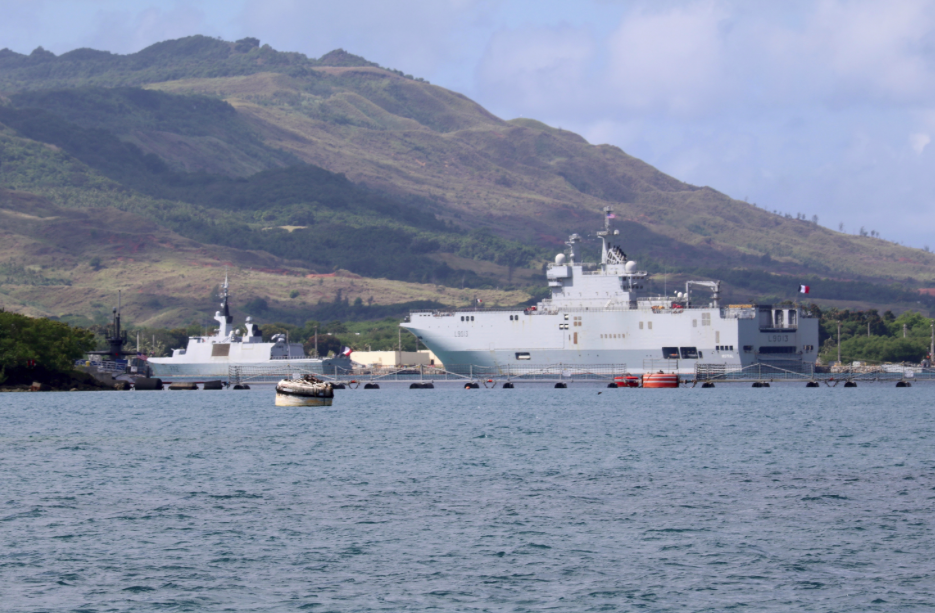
[643, 340]
[165, 368]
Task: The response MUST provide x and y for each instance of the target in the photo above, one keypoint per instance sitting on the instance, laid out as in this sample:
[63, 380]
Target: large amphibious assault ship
[599, 314]
[211, 357]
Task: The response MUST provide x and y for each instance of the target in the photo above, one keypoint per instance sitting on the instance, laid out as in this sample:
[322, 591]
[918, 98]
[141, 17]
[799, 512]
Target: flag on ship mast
[804, 289]
[347, 352]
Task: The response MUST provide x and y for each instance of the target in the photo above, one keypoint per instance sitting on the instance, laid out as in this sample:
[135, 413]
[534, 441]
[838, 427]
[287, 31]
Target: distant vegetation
[765, 286]
[51, 345]
[867, 336]
[15, 273]
[186, 58]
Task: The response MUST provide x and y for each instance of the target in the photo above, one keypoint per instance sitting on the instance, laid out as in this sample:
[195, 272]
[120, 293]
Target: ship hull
[174, 370]
[291, 400]
[636, 341]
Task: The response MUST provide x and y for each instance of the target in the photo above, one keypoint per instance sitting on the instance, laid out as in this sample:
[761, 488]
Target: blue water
[482, 500]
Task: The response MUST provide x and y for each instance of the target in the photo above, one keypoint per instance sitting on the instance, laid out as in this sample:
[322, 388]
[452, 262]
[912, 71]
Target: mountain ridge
[201, 114]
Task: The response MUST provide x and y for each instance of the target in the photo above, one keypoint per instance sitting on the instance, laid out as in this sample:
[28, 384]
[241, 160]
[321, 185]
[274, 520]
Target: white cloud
[919, 141]
[537, 69]
[670, 61]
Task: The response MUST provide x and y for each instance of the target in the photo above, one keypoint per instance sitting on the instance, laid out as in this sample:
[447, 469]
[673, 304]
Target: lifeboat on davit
[660, 380]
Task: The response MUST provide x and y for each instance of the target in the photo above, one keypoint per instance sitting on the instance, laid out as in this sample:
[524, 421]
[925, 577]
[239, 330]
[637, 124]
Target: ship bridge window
[670, 353]
[689, 353]
[462, 318]
[522, 355]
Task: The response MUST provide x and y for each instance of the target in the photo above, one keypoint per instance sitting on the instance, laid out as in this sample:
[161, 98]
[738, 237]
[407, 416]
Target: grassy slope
[348, 227]
[166, 279]
[529, 180]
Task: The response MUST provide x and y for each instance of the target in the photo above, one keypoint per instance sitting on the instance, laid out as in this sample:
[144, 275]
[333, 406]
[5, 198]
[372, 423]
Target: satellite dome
[560, 259]
[631, 267]
[249, 319]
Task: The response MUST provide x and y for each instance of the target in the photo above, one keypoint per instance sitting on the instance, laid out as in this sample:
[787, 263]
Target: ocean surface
[774, 499]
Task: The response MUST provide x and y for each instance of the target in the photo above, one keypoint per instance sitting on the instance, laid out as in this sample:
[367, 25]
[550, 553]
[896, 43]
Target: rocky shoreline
[40, 380]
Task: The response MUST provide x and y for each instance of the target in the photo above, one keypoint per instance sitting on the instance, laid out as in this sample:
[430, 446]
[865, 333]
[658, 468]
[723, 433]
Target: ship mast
[605, 251]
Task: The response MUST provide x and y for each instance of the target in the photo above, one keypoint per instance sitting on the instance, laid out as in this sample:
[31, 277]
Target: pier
[558, 375]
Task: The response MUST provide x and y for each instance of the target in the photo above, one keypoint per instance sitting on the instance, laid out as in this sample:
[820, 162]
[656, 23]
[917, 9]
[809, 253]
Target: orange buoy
[660, 380]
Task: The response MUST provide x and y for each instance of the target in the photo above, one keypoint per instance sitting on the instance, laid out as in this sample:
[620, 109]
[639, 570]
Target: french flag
[804, 289]
[347, 352]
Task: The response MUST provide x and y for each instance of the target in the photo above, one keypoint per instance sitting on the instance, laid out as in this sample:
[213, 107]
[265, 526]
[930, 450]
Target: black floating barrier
[372, 386]
[148, 384]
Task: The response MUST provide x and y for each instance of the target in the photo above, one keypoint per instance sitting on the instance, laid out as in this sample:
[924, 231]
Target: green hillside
[332, 223]
[337, 163]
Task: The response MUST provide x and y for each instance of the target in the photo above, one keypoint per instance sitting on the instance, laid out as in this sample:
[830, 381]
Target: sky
[821, 107]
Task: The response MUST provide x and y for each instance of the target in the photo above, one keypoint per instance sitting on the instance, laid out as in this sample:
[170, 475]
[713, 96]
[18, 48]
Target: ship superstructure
[212, 356]
[602, 314]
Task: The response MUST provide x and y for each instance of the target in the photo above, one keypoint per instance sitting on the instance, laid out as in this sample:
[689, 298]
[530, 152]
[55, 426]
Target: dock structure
[467, 373]
[757, 375]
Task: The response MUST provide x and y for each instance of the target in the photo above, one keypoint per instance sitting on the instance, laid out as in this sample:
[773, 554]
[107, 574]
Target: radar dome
[560, 259]
[631, 267]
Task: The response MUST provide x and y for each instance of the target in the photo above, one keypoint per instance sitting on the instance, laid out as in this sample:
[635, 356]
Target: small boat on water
[304, 392]
[627, 381]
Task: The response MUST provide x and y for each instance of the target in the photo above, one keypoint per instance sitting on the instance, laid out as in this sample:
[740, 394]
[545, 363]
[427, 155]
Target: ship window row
[725, 347]
[649, 325]
[613, 335]
[785, 349]
[684, 353]
[514, 317]
[467, 318]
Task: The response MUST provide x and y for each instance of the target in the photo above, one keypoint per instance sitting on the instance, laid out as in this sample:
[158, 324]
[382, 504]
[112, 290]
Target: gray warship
[600, 314]
[212, 356]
